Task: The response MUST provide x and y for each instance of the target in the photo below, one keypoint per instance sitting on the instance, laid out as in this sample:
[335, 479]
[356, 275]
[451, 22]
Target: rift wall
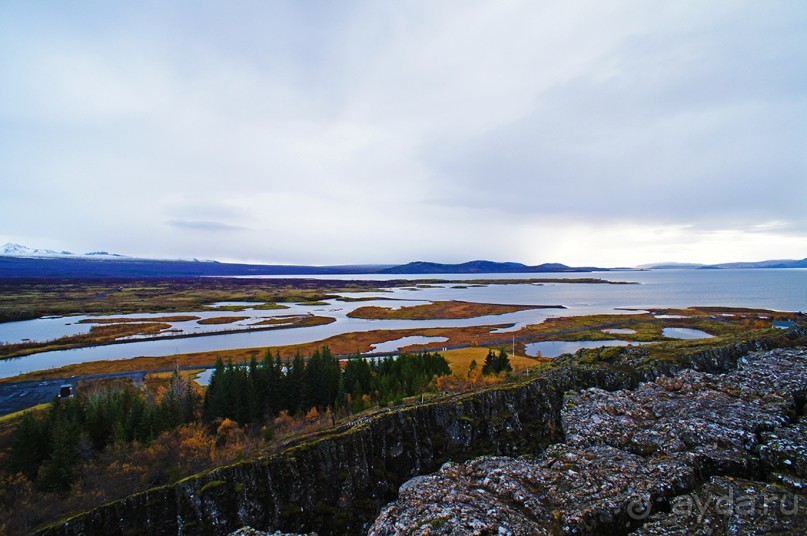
[337, 483]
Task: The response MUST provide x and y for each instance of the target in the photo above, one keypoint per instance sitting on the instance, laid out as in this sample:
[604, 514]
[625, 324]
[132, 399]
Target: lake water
[784, 290]
[620, 331]
[397, 344]
[685, 333]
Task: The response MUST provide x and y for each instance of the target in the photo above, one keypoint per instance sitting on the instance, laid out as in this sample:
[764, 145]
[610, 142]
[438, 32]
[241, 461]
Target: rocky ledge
[693, 453]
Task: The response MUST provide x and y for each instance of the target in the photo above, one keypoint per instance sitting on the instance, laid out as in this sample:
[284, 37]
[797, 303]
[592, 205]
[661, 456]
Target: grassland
[648, 329]
[217, 320]
[100, 334]
[22, 299]
[256, 306]
[442, 310]
[113, 320]
[116, 333]
[296, 321]
[343, 344]
[12, 417]
[460, 359]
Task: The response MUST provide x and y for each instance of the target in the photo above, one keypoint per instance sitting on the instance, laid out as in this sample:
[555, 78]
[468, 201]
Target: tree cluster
[496, 363]
[258, 391]
[47, 448]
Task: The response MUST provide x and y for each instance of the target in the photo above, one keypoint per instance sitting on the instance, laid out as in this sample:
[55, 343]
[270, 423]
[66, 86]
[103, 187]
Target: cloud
[372, 132]
[197, 225]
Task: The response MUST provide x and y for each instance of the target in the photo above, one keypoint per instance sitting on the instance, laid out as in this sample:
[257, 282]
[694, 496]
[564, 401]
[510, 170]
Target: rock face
[338, 482]
[688, 454]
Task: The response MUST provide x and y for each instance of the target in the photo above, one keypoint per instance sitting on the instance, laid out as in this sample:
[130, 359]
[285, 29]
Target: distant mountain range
[783, 263]
[23, 262]
[483, 267]
[16, 250]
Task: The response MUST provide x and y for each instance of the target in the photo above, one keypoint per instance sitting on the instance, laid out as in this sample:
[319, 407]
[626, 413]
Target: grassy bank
[442, 310]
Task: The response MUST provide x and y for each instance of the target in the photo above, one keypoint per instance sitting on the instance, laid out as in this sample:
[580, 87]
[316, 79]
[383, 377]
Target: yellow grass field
[459, 360]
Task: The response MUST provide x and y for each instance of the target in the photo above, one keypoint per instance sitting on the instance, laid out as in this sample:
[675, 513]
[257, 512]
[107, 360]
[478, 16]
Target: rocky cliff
[338, 482]
[694, 453]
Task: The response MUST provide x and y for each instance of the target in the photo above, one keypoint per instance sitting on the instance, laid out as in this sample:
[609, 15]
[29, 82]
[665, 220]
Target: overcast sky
[607, 133]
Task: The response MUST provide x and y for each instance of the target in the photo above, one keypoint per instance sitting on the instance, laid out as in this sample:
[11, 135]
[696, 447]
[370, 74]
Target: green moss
[210, 486]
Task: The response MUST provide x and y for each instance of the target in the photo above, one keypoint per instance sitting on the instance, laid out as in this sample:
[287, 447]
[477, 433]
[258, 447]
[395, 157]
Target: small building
[66, 391]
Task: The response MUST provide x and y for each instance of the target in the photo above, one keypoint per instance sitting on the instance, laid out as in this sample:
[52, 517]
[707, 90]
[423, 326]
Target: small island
[442, 310]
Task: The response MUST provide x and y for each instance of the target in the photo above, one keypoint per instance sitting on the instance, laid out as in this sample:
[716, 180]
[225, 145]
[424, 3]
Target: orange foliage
[284, 420]
[173, 455]
[312, 415]
[456, 383]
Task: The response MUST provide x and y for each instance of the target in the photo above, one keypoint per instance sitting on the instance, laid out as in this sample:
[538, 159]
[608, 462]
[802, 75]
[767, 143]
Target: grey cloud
[200, 225]
[695, 126]
[315, 133]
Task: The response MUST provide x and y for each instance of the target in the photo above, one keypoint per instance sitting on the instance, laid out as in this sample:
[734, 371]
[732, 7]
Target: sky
[316, 132]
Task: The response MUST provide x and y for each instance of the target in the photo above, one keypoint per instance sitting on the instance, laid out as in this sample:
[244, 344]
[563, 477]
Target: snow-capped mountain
[17, 250]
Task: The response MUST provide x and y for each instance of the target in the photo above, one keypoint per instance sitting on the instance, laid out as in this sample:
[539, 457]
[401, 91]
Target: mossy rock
[212, 485]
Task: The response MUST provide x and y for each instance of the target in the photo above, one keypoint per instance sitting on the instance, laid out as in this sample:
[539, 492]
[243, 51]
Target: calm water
[685, 333]
[397, 344]
[784, 290]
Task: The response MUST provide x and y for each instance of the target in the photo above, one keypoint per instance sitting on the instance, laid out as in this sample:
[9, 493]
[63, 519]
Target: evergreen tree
[296, 396]
[215, 397]
[503, 362]
[56, 472]
[489, 367]
[30, 445]
[496, 363]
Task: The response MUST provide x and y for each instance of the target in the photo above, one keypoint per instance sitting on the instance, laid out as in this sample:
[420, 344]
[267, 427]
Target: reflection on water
[204, 377]
[685, 333]
[397, 344]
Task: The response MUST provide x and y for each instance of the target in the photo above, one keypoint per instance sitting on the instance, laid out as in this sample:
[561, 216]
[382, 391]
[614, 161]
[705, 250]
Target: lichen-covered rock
[729, 506]
[574, 491]
[784, 455]
[629, 454]
[249, 531]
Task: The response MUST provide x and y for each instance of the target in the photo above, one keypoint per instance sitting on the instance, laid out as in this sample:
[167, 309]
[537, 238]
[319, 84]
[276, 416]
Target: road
[18, 396]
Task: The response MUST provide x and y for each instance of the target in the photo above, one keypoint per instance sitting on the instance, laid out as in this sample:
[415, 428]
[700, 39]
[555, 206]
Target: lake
[777, 289]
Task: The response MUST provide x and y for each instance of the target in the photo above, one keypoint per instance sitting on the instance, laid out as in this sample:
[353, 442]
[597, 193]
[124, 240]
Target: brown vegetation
[100, 334]
[343, 344]
[460, 359]
[441, 309]
[216, 320]
[175, 454]
[646, 325]
[122, 320]
[22, 299]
